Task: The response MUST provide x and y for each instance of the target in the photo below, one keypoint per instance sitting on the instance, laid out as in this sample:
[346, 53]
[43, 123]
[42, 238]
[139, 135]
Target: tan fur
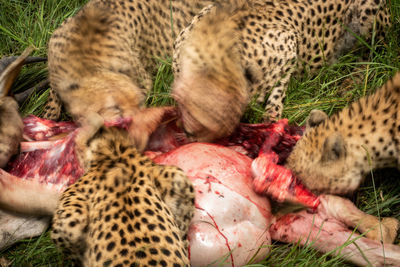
[266, 42]
[233, 50]
[125, 209]
[335, 156]
[203, 84]
[11, 128]
[102, 59]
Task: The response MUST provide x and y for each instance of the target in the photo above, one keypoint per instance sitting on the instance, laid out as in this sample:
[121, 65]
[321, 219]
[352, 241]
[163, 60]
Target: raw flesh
[328, 234]
[274, 180]
[37, 175]
[232, 223]
[32, 181]
[231, 219]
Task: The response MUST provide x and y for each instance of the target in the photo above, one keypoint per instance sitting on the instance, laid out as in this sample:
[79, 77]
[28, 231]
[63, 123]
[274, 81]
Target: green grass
[360, 72]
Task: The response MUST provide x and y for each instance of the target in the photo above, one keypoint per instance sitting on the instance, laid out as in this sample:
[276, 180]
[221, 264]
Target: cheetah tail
[211, 86]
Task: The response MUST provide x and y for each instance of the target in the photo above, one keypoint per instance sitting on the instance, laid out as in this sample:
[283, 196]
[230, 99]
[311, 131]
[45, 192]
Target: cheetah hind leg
[178, 193]
[52, 108]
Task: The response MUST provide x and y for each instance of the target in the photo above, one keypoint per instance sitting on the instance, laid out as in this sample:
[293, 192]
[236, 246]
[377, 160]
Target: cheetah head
[322, 161]
[209, 109]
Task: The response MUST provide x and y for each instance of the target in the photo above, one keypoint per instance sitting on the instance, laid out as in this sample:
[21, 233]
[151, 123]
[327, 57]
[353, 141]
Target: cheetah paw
[273, 112]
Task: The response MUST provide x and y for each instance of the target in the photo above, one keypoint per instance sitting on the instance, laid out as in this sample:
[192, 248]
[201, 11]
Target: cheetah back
[277, 39]
[125, 210]
[103, 58]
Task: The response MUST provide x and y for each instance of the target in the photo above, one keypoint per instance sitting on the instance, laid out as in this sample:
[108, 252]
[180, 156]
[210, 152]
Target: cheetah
[336, 153]
[234, 51]
[125, 210]
[103, 58]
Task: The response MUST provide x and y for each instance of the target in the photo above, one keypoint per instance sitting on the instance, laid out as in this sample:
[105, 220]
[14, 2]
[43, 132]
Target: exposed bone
[231, 222]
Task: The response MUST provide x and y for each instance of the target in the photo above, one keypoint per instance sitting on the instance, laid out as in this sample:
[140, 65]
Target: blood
[167, 136]
[269, 144]
[275, 180]
[285, 220]
[278, 137]
[123, 123]
[210, 179]
[37, 129]
[56, 163]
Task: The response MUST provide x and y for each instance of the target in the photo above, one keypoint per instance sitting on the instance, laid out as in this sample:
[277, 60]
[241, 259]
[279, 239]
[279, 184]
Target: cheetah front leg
[70, 222]
[274, 107]
[178, 193]
[280, 46]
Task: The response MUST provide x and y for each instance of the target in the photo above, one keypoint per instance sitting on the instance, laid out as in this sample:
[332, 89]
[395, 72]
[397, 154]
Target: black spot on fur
[110, 246]
[140, 254]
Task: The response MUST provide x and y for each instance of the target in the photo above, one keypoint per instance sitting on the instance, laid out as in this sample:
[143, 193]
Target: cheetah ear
[334, 148]
[315, 118]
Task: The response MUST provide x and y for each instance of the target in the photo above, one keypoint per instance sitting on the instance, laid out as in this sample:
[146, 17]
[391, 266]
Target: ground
[358, 73]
